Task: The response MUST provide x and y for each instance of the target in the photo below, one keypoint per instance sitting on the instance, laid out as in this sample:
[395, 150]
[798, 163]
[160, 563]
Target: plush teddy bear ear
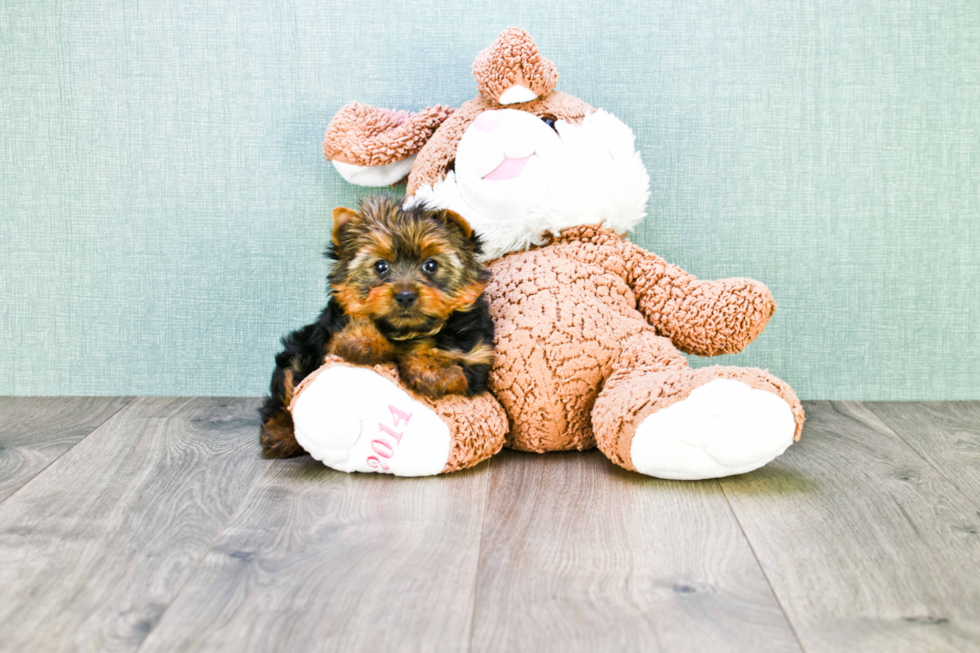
[512, 70]
[376, 147]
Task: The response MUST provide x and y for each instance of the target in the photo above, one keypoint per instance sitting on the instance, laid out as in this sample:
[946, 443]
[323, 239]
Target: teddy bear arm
[720, 317]
[701, 317]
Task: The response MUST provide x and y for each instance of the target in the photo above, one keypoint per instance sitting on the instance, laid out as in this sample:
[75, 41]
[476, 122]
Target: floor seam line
[928, 462]
[479, 555]
[762, 569]
[129, 401]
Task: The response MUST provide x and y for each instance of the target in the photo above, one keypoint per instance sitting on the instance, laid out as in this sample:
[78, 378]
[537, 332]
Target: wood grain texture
[158, 531]
[867, 547]
[35, 431]
[580, 555]
[947, 434]
[96, 546]
[318, 560]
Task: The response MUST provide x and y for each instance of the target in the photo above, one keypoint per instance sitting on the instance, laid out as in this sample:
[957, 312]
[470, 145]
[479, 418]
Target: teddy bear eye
[430, 266]
[381, 268]
[549, 121]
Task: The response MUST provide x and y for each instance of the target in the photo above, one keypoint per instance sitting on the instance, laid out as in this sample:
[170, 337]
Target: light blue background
[164, 199]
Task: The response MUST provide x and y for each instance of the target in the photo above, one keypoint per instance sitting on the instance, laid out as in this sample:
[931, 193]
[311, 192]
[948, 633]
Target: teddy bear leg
[681, 423]
[362, 419]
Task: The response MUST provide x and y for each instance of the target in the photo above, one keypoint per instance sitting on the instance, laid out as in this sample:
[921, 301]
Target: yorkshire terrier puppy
[406, 288]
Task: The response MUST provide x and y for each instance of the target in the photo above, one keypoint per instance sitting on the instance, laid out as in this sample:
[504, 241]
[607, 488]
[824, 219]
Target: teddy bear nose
[488, 120]
[405, 298]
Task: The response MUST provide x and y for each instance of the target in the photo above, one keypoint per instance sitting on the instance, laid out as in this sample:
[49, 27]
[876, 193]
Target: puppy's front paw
[431, 377]
[361, 351]
[362, 345]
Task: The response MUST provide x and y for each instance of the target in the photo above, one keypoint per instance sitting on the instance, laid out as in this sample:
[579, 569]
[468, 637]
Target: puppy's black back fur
[302, 353]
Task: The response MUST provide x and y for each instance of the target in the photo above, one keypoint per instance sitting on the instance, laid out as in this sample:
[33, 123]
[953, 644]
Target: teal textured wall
[164, 200]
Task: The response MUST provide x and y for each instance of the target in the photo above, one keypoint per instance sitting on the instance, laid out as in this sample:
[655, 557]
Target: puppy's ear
[453, 218]
[341, 218]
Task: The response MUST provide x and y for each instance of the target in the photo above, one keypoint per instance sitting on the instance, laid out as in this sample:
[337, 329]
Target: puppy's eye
[430, 266]
[548, 120]
[381, 268]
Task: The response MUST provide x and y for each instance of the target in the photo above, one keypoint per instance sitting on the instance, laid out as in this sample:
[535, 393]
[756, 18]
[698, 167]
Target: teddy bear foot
[353, 419]
[723, 427]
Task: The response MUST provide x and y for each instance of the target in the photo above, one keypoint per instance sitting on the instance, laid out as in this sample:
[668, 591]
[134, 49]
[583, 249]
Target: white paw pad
[722, 428]
[355, 420]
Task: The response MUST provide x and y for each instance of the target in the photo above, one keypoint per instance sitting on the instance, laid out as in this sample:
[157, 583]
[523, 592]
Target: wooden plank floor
[155, 525]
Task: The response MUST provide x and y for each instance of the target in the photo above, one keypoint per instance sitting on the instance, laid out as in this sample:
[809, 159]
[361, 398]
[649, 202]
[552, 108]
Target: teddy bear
[589, 326]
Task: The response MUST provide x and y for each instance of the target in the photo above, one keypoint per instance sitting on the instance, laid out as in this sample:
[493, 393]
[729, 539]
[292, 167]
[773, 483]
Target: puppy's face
[406, 270]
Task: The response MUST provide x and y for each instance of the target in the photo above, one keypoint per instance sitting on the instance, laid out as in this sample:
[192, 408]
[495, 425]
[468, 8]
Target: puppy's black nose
[405, 298]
